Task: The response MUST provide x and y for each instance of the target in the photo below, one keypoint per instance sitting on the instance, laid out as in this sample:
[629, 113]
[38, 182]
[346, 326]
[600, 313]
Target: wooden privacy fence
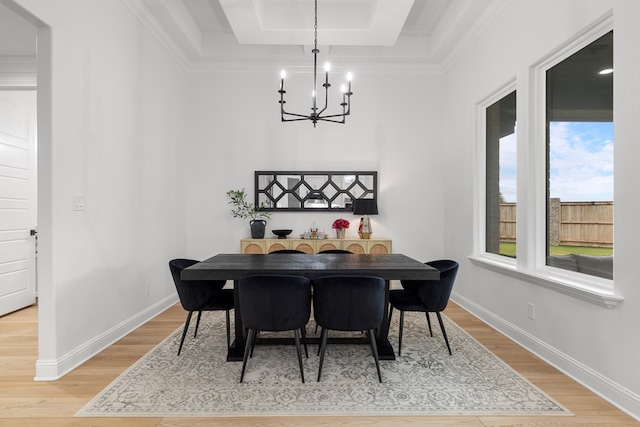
[570, 223]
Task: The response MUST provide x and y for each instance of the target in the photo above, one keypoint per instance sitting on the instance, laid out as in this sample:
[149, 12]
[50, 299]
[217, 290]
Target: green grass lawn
[509, 249]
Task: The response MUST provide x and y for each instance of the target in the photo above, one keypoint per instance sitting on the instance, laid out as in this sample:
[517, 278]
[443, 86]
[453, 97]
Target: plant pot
[257, 228]
[341, 233]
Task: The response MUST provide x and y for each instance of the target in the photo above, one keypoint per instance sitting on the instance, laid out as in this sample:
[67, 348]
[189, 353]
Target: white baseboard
[51, 370]
[622, 398]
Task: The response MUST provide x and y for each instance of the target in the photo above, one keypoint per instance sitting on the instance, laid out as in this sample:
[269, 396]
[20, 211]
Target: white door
[17, 200]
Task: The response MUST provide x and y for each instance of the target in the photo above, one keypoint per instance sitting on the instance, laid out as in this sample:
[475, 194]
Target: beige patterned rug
[425, 380]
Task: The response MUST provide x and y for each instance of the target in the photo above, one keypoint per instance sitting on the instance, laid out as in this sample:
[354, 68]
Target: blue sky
[581, 162]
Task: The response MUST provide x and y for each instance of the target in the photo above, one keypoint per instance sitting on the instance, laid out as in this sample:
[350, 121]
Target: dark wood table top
[236, 266]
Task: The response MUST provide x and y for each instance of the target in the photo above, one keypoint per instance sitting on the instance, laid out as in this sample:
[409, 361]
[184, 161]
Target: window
[500, 140]
[579, 160]
[565, 172]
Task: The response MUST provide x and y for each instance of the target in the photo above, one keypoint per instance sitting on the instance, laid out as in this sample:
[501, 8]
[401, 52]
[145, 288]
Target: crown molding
[411, 54]
[18, 72]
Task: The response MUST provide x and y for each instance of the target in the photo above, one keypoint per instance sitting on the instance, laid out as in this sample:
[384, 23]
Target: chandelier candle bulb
[327, 68]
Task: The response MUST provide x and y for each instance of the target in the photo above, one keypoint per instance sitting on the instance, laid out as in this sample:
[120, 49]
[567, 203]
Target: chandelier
[317, 113]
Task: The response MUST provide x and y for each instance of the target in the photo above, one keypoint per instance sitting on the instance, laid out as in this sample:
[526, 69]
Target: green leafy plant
[244, 209]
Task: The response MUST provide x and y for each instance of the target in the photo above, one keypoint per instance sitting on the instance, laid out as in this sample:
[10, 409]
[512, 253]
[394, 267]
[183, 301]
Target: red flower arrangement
[340, 223]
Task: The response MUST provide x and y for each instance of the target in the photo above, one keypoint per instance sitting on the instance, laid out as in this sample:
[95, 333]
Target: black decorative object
[316, 115]
[282, 234]
[257, 228]
[365, 207]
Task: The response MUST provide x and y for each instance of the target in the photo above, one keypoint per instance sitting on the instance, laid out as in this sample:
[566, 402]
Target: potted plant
[340, 225]
[243, 209]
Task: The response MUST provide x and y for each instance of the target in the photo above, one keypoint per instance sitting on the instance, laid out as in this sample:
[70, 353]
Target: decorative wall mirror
[317, 191]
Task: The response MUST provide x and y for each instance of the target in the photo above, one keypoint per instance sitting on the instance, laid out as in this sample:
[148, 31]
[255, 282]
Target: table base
[385, 350]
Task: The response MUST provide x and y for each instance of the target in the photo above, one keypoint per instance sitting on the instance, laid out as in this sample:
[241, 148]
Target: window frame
[480, 242]
[530, 263]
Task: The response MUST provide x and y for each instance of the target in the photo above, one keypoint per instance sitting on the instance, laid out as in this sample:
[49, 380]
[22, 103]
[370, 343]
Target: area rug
[424, 380]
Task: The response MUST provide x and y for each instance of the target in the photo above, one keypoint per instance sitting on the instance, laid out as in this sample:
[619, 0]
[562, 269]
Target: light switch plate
[78, 202]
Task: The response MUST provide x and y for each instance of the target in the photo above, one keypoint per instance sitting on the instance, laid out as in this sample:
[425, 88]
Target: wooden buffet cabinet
[312, 246]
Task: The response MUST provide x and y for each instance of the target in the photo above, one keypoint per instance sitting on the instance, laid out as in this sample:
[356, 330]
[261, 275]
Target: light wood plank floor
[26, 403]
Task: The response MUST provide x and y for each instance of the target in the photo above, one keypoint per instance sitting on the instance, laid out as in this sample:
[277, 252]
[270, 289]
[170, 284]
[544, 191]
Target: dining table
[236, 266]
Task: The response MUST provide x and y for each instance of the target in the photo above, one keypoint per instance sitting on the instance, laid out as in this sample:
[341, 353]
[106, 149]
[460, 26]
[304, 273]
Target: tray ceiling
[209, 34]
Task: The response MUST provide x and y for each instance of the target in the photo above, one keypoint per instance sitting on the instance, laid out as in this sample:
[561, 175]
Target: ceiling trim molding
[141, 12]
[18, 72]
[458, 30]
[394, 67]
[476, 21]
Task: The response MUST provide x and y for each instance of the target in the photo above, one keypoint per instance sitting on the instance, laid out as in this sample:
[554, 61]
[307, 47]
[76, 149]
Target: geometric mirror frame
[303, 191]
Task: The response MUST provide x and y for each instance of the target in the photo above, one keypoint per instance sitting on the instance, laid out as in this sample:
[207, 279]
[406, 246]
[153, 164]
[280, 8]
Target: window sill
[591, 291]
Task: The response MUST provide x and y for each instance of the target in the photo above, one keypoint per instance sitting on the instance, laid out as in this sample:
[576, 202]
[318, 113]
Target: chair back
[434, 294]
[193, 294]
[335, 251]
[349, 303]
[274, 302]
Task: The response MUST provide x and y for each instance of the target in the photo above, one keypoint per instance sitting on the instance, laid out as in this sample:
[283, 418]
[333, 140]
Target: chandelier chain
[315, 26]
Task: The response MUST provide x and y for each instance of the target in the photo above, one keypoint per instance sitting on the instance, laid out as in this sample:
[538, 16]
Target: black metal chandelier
[317, 113]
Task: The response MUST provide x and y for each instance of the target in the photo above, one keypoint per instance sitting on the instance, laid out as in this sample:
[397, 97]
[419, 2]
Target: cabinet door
[277, 245]
[355, 246]
[252, 247]
[379, 247]
[327, 245]
[306, 246]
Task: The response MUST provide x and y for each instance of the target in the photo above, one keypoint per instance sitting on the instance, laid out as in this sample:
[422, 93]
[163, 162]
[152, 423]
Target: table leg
[385, 350]
[236, 351]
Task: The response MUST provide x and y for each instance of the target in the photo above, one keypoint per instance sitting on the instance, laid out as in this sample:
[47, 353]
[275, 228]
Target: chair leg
[299, 351]
[374, 350]
[247, 350]
[320, 344]
[443, 331]
[390, 314]
[303, 332]
[322, 348]
[184, 332]
[426, 313]
[197, 324]
[253, 344]
[400, 333]
[228, 331]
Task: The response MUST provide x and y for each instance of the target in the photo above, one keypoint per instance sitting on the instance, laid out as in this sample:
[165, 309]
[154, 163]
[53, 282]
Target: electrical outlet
[147, 288]
[531, 311]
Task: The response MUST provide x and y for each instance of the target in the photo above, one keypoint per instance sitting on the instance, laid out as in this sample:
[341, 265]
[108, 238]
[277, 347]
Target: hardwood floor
[26, 403]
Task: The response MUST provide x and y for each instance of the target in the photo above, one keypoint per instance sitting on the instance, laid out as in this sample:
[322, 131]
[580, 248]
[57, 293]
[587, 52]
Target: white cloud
[581, 161]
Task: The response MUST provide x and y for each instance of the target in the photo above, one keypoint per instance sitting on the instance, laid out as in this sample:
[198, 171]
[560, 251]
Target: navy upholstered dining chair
[349, 303]
[427, 296]
[200, 295]
[331, 251]
[274, 303]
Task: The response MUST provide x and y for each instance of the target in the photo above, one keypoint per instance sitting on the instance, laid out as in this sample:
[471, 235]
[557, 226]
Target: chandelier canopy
[316, 114]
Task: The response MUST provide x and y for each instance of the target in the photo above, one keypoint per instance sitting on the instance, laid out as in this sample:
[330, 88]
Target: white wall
[394, 129]
[154, 150]
[117, 108]
[596, 345]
